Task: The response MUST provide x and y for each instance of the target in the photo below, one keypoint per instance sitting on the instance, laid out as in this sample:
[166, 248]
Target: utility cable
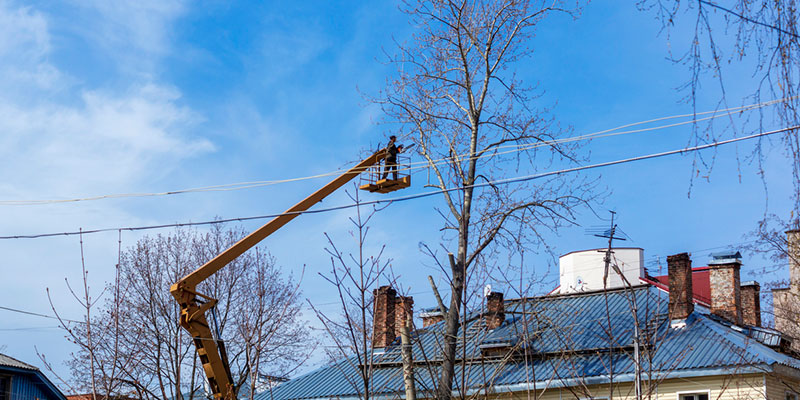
[38, 314]
[419, 195]
[420, 165]
[750, 20]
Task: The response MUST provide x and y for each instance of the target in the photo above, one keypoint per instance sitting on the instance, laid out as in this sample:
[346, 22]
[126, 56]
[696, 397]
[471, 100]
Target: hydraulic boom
[194, 305]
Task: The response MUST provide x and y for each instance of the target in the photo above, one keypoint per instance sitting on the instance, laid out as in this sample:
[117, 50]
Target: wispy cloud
[105, 141]
[24, 47]
[83, 140]
[136, 34]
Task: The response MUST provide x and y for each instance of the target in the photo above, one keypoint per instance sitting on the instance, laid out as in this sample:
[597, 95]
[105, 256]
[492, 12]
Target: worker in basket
[390, 163]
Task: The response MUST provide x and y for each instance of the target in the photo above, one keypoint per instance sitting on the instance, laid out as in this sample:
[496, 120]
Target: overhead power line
[748, 19]
[421, 165]
[419, 195]
[35, 314]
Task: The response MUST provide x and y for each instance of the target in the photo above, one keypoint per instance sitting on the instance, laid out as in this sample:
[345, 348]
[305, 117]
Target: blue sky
[104, 97]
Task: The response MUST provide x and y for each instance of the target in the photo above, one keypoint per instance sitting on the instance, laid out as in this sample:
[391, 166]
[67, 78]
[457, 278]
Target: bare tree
[273, 339]
[97, 337]
[141, 341]
[763, 36]
[354, 275]
[476, 124]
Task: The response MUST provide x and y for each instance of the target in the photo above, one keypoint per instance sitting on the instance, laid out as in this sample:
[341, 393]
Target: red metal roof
[701, 285]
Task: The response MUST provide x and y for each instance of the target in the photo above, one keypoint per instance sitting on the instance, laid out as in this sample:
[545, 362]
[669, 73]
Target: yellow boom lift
[210, 347]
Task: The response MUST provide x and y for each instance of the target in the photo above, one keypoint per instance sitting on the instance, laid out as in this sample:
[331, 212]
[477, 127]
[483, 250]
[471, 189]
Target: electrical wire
[415, 196]
[35, 314]
[750, 20]
[420, 165]
[30, 328]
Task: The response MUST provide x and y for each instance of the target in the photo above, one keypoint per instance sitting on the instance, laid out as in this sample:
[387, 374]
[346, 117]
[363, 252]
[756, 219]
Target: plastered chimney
[681, 302]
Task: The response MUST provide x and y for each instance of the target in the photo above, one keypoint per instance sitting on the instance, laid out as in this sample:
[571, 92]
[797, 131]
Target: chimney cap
[751, 283]
[431, 312]
[725, 257]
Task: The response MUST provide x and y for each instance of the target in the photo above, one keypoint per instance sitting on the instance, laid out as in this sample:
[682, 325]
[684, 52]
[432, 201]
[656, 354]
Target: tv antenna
[609, 234]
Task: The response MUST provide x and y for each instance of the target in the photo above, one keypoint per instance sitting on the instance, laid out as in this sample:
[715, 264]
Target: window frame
[706, 392]
[787, 392]
[10, 384]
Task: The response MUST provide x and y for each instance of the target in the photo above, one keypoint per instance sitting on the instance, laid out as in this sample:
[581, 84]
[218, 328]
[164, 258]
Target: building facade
[21, 381]
[693, 334]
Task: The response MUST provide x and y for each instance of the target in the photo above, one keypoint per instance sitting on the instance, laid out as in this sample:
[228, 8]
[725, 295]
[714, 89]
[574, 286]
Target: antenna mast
[609, 234]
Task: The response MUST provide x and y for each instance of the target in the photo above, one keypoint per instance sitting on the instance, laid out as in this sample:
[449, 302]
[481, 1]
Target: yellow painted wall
[777, 386]
[734, 387]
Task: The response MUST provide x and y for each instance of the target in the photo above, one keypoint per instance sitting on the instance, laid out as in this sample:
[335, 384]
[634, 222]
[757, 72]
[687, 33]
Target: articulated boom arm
[210, 349]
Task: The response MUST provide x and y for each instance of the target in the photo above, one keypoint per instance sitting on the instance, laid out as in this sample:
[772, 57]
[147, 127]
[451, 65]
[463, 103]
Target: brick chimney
[681, 298]
[431, 316]
[383, 319]
[751, 303]
[403, 308]
[785, 301]
[793, 250]
[495, 310]
[726, 295]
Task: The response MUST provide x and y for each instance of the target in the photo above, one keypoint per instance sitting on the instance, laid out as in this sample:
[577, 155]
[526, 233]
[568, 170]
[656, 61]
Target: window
[5, 387]
[791, 395]
[694, 396]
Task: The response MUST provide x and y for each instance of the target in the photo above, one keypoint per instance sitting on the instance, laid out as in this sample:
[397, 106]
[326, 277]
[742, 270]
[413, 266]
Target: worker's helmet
[393, 137]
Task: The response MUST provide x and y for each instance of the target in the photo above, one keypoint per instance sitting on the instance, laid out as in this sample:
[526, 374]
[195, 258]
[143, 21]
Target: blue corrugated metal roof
[581, 337]
[28, 382]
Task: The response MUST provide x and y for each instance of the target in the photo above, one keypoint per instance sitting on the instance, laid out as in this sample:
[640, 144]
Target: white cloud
[23, 33]
[106, 142]
[136, 34]
[60, 138]
[24, 46]
[144, 24]
[76, 142]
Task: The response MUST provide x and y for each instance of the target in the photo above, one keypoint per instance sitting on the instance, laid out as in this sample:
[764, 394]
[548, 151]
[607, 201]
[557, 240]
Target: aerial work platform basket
[382, 178]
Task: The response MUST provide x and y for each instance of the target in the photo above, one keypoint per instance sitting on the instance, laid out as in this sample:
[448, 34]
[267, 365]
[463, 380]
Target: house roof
[6, 361]
[14, 366]
[701, 284]
[567, 342]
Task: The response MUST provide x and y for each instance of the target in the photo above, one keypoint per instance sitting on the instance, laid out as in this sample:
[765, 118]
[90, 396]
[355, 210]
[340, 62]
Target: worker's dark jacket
[392, 153]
